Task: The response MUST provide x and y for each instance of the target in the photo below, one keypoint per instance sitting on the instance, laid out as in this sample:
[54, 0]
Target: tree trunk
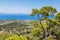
[42, 27]
[47, 30]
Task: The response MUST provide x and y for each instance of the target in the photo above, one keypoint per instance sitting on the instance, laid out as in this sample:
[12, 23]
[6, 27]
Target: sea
[18, 17]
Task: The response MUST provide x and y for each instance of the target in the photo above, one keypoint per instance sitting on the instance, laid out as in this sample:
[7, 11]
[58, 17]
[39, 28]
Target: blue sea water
[18, 17]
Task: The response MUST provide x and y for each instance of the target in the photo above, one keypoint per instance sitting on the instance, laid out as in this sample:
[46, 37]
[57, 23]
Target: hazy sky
[25, 6]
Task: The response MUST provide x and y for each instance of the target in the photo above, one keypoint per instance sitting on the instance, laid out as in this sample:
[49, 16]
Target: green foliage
[35, 24]
[49, 38]
[15, 37]
[43, 28]
[49, 26]
[47, 11]
[34, 12]
[4, 35]
[57, 17]
[37, 32]
[8, 36]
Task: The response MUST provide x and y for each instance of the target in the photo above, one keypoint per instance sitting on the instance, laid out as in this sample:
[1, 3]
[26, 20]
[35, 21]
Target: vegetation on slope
[42, 29]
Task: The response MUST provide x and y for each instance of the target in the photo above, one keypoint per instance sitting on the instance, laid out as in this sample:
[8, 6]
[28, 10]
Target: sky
[25, 6]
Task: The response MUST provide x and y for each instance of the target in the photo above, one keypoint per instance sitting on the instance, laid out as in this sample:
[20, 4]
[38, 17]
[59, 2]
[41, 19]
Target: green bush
[16, 37]
[49, 38]
[4, 35]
